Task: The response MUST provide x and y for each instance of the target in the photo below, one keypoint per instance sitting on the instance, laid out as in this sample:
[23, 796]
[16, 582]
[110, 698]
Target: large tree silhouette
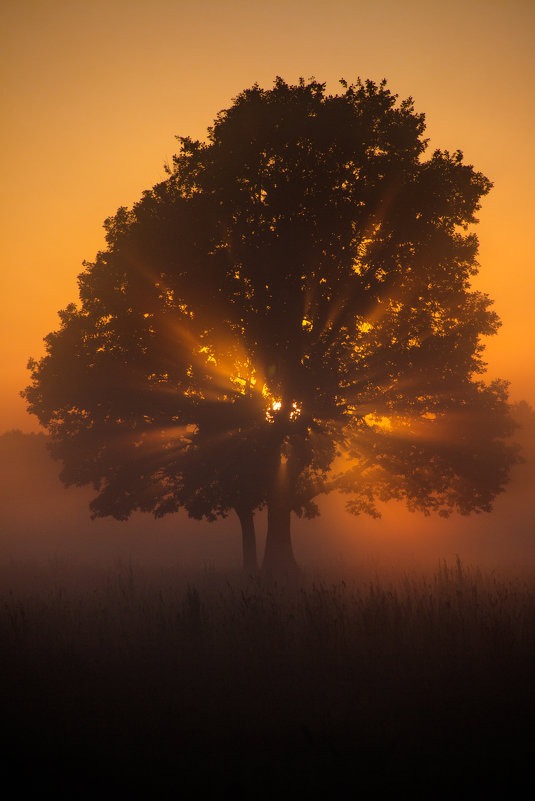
[289, 313]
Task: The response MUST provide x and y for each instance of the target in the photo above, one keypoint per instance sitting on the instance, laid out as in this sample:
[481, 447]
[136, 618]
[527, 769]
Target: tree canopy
[290, 312]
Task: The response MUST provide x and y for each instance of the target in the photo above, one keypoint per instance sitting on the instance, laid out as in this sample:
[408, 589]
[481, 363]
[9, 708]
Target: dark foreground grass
[156, 687]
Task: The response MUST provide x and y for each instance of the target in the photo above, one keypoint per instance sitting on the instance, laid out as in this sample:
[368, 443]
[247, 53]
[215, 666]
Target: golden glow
[223, 367]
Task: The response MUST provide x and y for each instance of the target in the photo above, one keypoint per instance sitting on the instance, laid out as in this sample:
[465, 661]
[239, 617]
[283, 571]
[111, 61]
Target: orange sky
[93, 94]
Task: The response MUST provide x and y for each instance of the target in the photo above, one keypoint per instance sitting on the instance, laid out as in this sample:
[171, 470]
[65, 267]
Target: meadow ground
[167, 686]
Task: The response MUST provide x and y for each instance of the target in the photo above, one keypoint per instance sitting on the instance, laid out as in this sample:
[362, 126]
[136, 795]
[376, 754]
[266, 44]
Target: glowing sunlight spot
[374, 421]
[296, 411]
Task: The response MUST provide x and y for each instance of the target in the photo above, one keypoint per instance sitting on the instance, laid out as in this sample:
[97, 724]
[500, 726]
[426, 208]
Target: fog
[43, 522]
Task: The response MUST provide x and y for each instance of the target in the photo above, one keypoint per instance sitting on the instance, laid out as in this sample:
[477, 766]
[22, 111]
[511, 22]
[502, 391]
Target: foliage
[288, 313]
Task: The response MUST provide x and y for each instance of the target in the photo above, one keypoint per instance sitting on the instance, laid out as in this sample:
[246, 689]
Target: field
[168, 686]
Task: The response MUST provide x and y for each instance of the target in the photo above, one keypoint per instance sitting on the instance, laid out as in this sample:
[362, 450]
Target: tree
[288, 313]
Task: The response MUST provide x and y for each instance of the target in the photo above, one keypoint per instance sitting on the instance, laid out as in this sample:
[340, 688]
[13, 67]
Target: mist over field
[139, 659]
[43, 521]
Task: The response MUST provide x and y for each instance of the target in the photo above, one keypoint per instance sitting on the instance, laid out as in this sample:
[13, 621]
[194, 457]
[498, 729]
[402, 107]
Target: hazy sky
[94, 92]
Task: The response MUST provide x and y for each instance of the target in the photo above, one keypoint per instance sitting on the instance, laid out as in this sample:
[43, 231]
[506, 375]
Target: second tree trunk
[278, 556]
[246, 517]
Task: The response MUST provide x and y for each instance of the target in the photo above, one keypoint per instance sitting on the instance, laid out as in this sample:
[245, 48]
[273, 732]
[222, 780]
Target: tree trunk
[250, 565]
[278, 556]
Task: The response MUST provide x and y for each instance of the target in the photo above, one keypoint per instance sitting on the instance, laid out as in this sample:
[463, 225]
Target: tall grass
[408, 686]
